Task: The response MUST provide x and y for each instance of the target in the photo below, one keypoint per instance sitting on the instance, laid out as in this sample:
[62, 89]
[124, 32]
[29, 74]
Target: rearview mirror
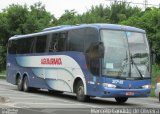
[96, 50]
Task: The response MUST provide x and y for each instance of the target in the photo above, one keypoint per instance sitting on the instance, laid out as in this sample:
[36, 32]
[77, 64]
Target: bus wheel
[80, 92]
[121, 99]
[19, 84]
[25, 84]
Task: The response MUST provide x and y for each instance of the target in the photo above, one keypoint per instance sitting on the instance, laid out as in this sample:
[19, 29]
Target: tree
[69, 17]
[115, 13]
[122, 11]
[17, 19]
[149, 21]
[4, 33]
[97, 14]
[37, 19]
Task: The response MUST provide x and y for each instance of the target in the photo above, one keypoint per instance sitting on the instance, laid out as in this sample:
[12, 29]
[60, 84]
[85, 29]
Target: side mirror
[101, 50]
[96, 50]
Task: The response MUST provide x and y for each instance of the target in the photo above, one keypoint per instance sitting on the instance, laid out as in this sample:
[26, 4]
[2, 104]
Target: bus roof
[63, 28]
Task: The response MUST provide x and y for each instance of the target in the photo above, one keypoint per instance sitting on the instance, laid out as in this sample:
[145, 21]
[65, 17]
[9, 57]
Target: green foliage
[155, 77]
[37, 19]
[3, 75]
[115, 13]
[3, 33]
[97, 14]
[69, 17]
[17, 19]
[16, 15]
[122, 11]
[149, 21]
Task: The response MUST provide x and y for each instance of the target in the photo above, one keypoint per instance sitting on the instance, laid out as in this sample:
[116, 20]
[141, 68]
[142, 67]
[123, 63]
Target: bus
[90, 60]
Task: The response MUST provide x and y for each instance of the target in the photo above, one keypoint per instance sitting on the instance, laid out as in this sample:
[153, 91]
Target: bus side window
[58, 42]
[26, 44]
[62, 42]
[93, 63]
[12, 47]
[33, 45]
[53, 43]
[76, 40]
[41, 44]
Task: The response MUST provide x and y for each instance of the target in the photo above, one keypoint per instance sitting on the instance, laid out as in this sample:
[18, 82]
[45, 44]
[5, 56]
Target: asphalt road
[42, 102]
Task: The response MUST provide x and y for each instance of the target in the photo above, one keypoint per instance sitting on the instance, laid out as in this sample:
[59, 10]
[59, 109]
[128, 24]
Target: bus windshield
[126, 54]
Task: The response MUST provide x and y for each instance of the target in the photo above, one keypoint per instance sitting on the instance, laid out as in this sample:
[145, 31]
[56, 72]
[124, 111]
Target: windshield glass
[126, 54]
[139, 51]
[115, 61]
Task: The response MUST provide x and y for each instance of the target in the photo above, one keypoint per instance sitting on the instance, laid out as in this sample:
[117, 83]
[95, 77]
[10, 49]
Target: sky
[57, 7]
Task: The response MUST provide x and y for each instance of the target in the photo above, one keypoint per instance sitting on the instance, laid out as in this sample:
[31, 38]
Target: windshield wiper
[133, 63]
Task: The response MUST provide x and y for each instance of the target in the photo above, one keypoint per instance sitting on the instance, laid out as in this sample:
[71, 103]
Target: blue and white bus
[91, 60]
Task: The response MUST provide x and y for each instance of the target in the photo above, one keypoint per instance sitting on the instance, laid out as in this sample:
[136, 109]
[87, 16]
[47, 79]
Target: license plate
[129, 93]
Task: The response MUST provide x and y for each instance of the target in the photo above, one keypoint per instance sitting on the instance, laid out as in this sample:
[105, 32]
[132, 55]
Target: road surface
[42, 102]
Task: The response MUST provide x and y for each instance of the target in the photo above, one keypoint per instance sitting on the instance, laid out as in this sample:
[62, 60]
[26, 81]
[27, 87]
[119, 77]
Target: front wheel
[80, 92]
[121, 99]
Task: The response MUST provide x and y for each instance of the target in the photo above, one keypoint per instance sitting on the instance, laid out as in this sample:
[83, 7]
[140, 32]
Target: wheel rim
[80, 91]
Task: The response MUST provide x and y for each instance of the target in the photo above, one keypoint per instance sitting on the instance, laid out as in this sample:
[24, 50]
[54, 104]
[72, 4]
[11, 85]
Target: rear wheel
[121, 99]
[19, 83]
[26, 88]
[80, 92]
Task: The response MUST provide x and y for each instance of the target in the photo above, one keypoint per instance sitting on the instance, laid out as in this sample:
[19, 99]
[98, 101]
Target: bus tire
[121, 99]
[80, 92]
[26, 88]
[19, 83]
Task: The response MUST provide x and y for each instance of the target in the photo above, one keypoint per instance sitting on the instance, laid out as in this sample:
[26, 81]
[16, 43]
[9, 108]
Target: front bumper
[111, 92]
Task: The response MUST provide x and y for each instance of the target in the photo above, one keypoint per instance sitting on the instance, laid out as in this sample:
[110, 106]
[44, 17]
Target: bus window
[91, 37]
[32, 45]
[12, 47]
[76, 40]
[26, 44]
[58, 42]
[81, 40]
[93, 63]
[41, 44]
[53, 43]
[62, 41]
[15, 46]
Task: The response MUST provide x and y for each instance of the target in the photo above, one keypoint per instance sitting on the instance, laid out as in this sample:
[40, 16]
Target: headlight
[146, 86]
[109, 85]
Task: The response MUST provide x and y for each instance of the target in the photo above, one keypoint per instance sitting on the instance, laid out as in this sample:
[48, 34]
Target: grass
[155, 77]
[2, 74]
